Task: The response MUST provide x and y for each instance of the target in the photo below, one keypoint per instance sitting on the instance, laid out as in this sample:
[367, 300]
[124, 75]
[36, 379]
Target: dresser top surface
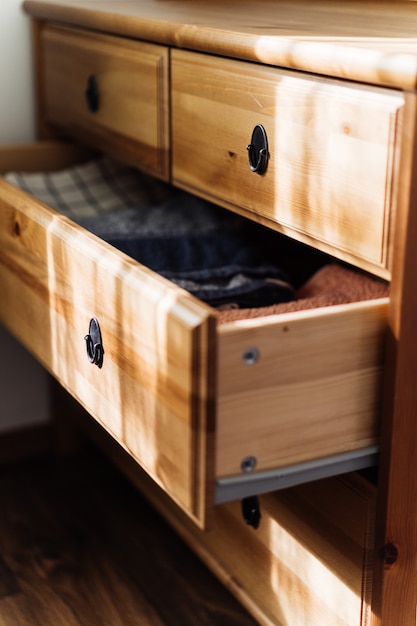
[367, 41]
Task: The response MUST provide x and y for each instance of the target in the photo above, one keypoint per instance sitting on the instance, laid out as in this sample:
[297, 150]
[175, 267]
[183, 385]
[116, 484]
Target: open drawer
[210, 412]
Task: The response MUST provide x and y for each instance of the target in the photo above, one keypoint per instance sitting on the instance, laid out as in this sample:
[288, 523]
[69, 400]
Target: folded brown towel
[330, 285]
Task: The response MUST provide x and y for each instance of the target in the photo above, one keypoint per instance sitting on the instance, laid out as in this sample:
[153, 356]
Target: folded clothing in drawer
[330, 285]
[197, 245]
[206, 250]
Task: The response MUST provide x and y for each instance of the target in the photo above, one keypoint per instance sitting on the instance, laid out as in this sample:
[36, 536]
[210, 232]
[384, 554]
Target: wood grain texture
[395, 598]
[41, 156]
[310, 561]
[372, 42]
[332, 149]
[314, 390]
[79, 546]
[368, 41]
[153, 392]
[131, 120]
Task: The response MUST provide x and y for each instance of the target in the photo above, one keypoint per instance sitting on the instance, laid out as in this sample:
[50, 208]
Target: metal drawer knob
[258, 150]
[251, 511]
[92, 95]
[94, 343]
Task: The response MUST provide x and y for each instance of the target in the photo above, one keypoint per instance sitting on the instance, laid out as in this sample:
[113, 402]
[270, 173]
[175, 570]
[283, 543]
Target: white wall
[23, 383]
[16, 93]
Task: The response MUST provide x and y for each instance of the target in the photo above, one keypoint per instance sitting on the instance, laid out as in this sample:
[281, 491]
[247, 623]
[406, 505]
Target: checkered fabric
[98, 187]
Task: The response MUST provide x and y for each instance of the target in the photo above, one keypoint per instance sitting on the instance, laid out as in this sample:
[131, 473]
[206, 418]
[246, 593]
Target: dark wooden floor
[80, 546]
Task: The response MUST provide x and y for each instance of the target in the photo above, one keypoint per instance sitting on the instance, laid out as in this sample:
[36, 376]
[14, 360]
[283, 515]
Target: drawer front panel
[309, 562]
[332, 151]
[152, 391]
[127, 83]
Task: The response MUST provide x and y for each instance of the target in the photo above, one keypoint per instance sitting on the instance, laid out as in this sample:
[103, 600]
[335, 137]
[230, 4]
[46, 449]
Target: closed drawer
[332, 151]
[109, 92]
[189, 399]
[309, 562]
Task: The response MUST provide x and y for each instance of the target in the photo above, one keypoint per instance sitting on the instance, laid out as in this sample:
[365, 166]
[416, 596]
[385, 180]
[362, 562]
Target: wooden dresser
[300, 117]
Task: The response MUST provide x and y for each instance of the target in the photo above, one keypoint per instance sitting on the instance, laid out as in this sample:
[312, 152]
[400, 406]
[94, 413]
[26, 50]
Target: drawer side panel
[313, 391]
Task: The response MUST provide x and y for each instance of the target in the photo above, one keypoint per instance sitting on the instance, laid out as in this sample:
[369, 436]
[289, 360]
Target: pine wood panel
[395, 597]
[132, 117]
[369, 41]
[309, 562]
[332, 149]
[41, 156]
[153, 392]
[314, 390]
[306, 564]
